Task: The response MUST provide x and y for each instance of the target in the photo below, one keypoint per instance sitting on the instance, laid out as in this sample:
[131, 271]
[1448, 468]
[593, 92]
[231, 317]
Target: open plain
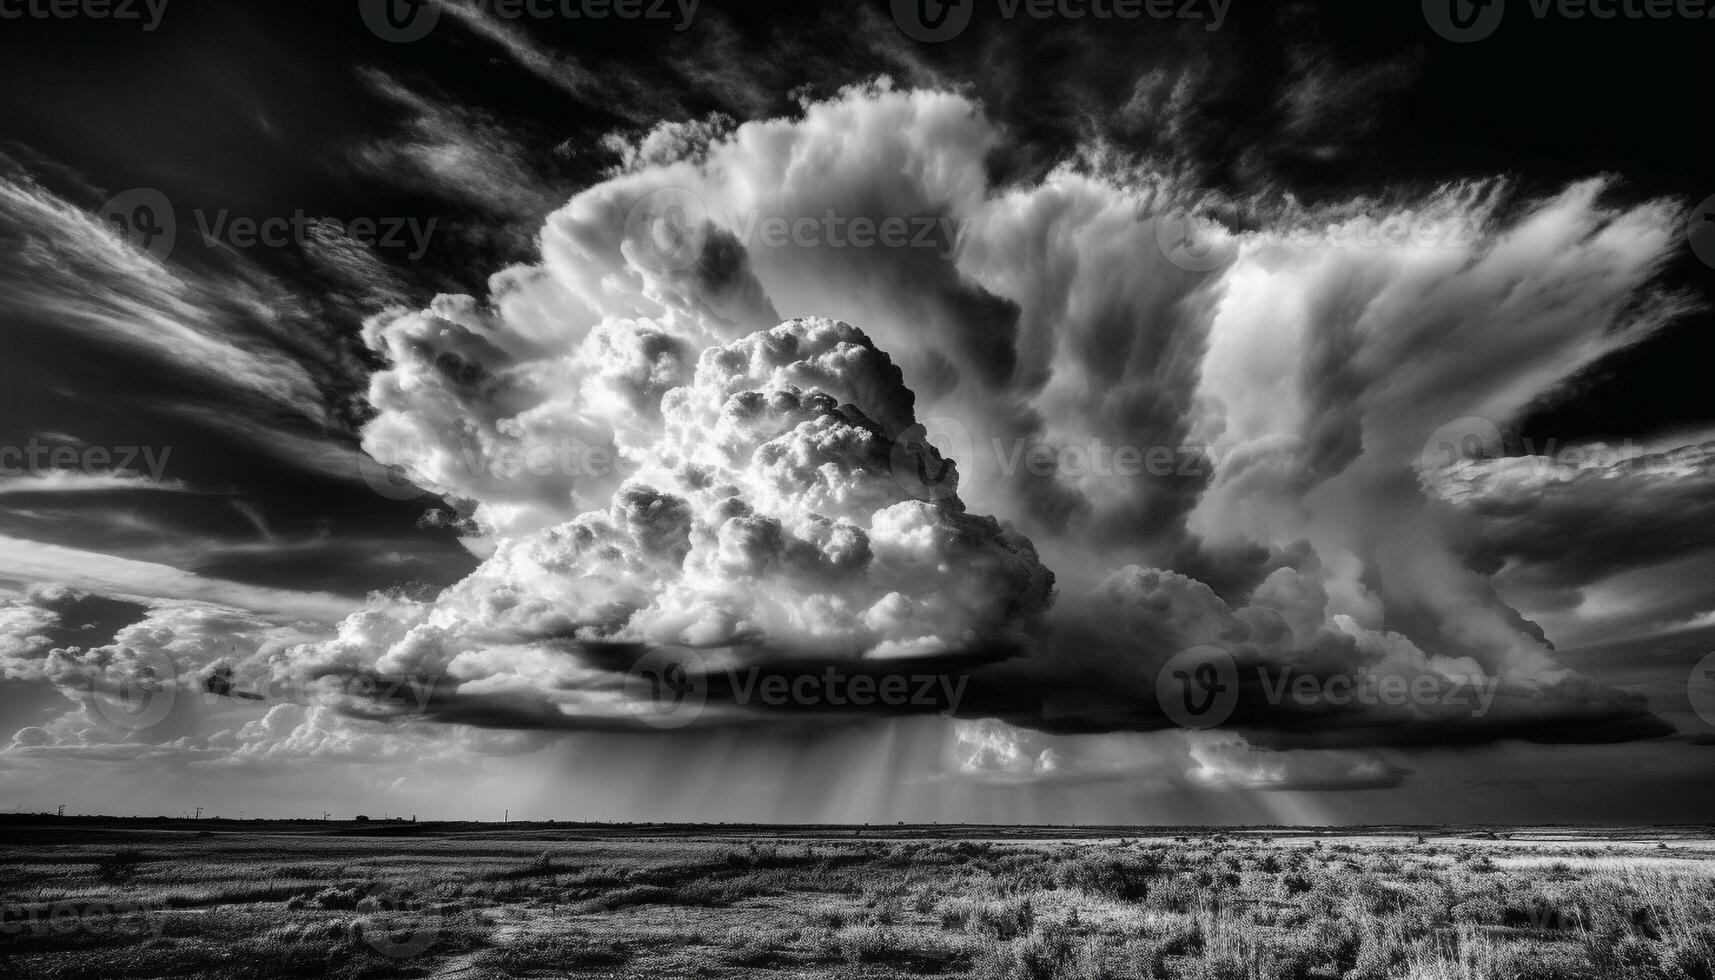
[277, 899]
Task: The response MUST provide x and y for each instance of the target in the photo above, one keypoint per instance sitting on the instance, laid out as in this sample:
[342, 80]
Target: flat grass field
[118, 898]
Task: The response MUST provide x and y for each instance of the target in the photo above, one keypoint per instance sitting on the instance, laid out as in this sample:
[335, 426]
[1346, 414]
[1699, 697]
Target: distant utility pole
[506, 816]
[62, 810]
[199, 813]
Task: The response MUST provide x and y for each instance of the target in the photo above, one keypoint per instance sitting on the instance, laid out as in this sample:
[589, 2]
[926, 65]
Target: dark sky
[248, 371]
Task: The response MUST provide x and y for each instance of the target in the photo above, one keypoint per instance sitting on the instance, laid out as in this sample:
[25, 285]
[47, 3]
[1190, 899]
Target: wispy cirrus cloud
[34, 561]
[76, 273]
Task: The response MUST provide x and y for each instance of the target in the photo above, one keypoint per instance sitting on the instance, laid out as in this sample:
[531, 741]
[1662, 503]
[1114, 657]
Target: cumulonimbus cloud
[738, 409]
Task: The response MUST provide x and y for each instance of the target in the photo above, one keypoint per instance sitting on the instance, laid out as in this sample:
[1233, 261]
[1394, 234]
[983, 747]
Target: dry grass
[1191, 907]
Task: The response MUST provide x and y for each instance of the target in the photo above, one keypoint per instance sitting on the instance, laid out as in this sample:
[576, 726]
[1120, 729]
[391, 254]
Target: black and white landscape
[1005, 488]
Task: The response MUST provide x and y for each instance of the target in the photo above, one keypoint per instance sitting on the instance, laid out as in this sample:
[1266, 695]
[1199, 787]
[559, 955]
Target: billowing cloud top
[774, 516]
[1209, 418]
[1222, 445]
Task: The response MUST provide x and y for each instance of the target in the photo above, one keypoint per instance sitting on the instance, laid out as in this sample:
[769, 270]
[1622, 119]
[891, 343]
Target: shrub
[748, 948]
[1124, 878]
[558, 952]
[1478, 910]
[1045, 955]
[118, 866]
[1001, 919]
[1692, 956]
[344, 899]
[866, 945]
